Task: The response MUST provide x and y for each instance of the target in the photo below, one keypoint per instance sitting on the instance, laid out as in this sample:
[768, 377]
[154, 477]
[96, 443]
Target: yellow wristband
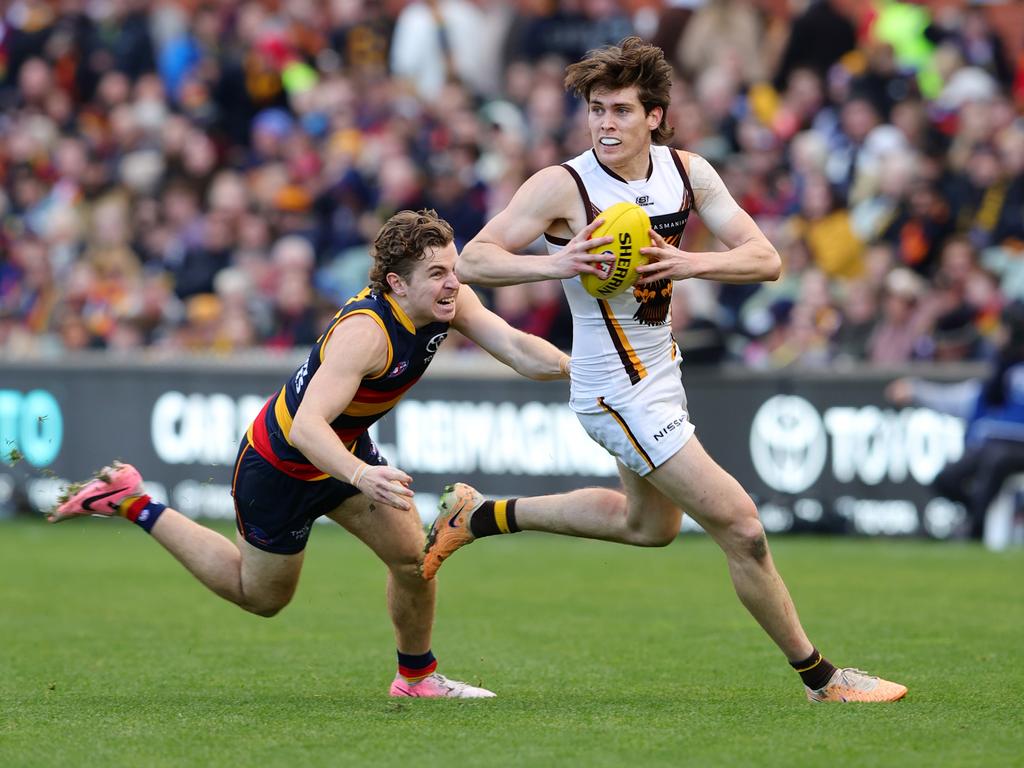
[565, 365]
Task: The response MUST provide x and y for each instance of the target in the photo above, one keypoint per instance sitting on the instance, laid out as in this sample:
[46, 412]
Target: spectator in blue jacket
[993, 408]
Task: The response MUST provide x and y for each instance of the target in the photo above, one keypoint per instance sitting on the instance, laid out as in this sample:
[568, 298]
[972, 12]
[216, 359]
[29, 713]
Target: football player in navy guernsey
[626, 387]
[308, 453]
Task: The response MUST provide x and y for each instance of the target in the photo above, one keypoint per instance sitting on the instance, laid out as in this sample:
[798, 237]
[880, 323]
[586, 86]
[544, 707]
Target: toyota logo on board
[788, 443]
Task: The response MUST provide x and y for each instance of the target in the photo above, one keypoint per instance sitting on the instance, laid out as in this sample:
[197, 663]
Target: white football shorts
[644, 427]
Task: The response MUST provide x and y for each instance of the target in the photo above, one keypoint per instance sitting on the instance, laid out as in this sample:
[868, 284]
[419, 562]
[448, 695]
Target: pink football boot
[102, 494]
[437, 686]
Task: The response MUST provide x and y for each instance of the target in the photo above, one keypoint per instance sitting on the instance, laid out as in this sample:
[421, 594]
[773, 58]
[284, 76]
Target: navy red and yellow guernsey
[410, 351]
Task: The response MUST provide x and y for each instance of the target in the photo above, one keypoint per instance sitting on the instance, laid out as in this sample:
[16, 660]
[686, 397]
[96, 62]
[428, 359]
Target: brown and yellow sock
[494, 517]
[815, 670]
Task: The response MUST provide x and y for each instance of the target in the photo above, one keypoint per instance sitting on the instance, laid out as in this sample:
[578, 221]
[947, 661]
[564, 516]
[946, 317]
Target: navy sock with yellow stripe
[494, 517]
[815, 670]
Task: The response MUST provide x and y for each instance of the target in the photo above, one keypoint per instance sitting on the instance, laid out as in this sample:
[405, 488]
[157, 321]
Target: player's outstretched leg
[437, 686]
[853, 685]
[102, 495]
[450, 529]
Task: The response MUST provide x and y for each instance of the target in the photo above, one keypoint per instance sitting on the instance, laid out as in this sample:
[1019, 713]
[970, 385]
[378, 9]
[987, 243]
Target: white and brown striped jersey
[619, 342]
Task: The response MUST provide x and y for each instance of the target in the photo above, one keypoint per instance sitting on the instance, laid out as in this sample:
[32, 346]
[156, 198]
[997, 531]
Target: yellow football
[628, 224]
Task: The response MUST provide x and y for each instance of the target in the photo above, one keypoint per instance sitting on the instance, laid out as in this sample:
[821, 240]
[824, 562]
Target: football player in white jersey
[625, 377]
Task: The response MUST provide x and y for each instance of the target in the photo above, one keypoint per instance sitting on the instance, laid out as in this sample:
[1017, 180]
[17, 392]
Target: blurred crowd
[206, 176]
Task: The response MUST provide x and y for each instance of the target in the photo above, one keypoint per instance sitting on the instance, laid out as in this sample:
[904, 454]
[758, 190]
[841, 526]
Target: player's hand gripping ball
[628, 224]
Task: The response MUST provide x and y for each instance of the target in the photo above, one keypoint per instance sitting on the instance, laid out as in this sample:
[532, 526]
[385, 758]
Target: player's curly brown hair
[631, 62]
[402, 241]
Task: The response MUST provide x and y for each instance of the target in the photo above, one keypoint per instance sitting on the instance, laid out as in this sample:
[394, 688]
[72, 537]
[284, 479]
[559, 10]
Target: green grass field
[602, 655]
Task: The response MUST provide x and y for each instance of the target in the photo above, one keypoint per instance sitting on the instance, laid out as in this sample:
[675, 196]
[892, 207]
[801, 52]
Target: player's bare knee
[653, 537]
[759, 547]
[266, 606]
[740, 533]
[659, 539]
[266, 610]
[748, 539]
[407, 569]
[267, 613]
[647, 532]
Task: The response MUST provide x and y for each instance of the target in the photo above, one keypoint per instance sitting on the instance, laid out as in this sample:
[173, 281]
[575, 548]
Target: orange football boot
[450, 529]
[850, 685]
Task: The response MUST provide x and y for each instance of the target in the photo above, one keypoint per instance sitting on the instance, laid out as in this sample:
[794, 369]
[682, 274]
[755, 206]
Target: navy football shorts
[274, 512]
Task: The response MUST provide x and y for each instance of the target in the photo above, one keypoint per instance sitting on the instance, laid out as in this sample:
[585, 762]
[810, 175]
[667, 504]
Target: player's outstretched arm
[750, 257]
[546, 198]
[528, 355]
[358, 348]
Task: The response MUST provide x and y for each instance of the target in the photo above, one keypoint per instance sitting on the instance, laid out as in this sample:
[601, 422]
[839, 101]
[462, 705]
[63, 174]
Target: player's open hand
[576, 259]
[386, 485]
[664, 261]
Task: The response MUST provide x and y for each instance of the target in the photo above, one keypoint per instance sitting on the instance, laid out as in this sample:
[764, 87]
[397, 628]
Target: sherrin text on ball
[629, 225]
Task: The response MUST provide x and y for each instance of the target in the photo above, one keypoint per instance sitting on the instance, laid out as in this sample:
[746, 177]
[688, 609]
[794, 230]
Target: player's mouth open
[610, 141]
[447, 302]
